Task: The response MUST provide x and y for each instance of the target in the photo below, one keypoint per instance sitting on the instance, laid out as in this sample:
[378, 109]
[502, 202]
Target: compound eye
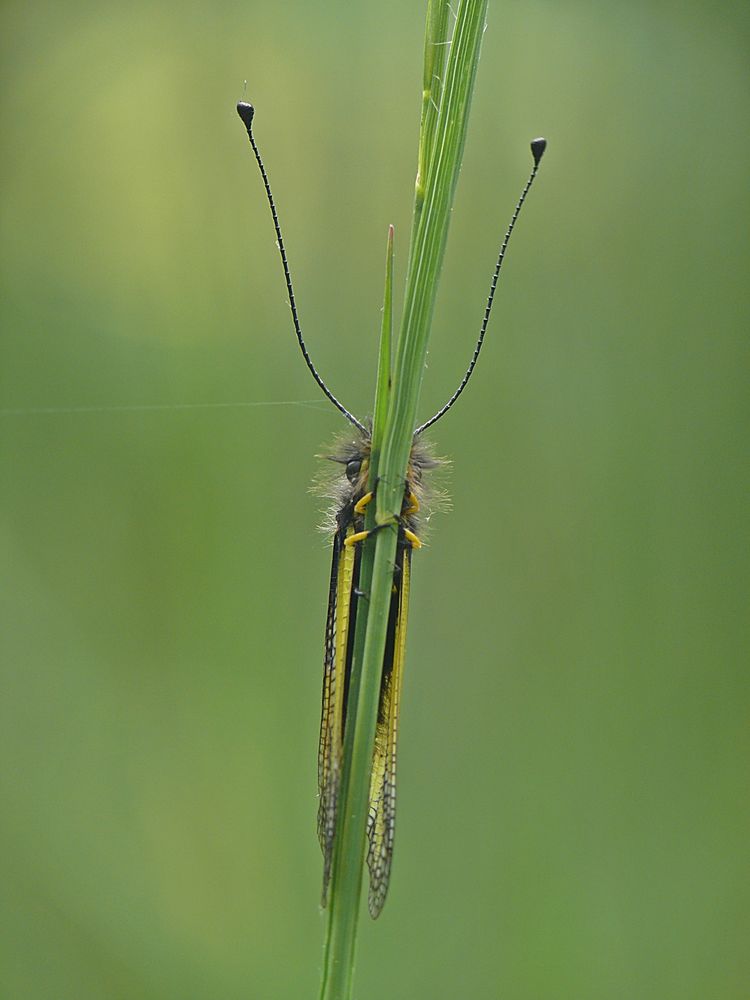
[352, 469]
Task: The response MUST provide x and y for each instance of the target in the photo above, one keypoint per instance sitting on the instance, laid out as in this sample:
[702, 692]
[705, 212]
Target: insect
[348, 528]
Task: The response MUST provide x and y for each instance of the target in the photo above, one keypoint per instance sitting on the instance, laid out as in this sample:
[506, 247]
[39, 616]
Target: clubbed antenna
[246, 113]
[538, 147]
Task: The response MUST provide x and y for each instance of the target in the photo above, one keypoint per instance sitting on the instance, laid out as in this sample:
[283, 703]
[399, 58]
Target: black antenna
[246, 113]
[538, 147]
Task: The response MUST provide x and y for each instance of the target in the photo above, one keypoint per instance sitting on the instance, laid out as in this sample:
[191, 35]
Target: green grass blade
[436, 46]
[433, 200]
[346, 882]
[383, 387]
[427, 251]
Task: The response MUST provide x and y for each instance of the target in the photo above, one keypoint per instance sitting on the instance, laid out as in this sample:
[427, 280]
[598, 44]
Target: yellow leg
[413, 505]
[411, 537]
[358, 536]
[359, 507]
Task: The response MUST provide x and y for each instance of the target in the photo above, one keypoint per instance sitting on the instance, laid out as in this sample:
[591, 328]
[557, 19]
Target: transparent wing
[335, 674]
[381, 820]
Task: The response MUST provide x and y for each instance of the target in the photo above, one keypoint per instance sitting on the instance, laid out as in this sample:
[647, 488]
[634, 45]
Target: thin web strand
[32, 411]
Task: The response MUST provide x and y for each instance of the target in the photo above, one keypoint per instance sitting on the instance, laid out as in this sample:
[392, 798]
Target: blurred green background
[573, 820]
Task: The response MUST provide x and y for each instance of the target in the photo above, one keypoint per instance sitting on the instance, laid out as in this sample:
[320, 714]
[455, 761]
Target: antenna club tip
[246, 112]
[538, 147]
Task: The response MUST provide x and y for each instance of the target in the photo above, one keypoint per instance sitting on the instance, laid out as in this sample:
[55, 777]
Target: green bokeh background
[573, 819]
